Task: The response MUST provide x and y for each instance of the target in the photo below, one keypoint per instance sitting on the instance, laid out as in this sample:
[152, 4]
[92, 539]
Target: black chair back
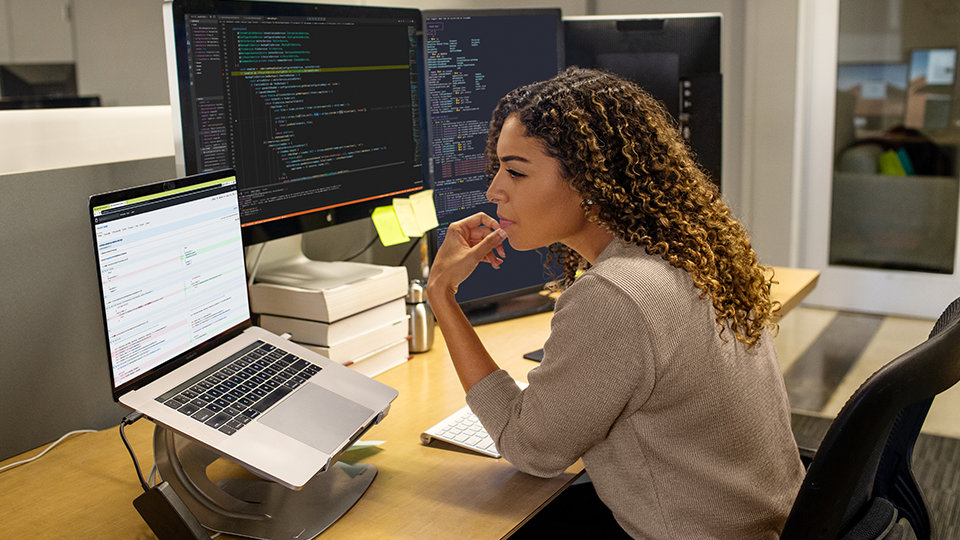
[862, 468]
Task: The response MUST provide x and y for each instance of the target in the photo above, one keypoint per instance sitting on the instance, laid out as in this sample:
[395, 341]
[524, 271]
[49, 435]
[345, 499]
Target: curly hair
[622, 152]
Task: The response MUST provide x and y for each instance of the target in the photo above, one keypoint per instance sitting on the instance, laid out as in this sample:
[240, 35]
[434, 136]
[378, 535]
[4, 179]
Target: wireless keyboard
[463, 429]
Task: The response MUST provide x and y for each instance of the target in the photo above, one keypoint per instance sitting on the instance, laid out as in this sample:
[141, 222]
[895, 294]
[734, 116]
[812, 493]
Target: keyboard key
[299, 364]
[227, 429]
[199, 402]
[271, 398]
[217, 420]
[173, 403]
[189, 409]
[203, 414]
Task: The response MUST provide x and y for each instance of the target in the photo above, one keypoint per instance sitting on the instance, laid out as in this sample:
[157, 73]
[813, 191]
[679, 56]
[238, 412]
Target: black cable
[127, 420]
[409, 251]
[366, 247]
[416, 242]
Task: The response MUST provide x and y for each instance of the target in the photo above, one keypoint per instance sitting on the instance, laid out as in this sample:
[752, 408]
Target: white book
[364, 344]
[380, 360]
[330, 334]
[324, 291]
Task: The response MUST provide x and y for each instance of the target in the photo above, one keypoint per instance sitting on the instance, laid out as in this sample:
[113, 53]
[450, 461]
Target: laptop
[182, 347]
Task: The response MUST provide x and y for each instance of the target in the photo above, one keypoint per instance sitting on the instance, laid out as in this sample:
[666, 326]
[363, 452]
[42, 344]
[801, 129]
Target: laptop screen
[172, 275]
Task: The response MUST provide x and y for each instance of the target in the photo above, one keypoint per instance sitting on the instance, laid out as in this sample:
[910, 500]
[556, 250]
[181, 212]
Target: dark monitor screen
[473, 59]
[317, 107]
[674, 57]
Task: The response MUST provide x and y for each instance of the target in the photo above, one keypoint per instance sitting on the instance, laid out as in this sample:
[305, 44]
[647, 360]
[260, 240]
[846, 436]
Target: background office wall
[48, 303]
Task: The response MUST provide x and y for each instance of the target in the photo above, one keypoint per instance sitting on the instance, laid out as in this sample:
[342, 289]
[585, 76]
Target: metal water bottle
[421, 318]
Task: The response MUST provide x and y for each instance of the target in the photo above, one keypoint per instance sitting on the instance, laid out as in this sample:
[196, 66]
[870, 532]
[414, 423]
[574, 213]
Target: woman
[660, 371]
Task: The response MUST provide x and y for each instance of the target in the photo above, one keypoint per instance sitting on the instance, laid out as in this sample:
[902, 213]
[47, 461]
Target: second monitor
[473, 58]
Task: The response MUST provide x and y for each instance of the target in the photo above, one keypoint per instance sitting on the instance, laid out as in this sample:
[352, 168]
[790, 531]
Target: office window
[894, 193]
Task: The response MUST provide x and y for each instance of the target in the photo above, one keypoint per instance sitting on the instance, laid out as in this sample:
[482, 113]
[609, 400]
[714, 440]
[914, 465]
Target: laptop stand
[256, 508]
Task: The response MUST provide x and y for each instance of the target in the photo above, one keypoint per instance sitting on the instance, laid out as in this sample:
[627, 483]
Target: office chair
[860, 483]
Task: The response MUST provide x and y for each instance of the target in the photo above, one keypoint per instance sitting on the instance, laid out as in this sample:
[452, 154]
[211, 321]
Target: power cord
[127, 420]
[45, 450]
[413, 245]
[160, 506]
[365, 248]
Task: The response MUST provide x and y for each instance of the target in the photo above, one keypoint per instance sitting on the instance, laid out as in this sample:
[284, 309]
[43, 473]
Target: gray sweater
[685, 434]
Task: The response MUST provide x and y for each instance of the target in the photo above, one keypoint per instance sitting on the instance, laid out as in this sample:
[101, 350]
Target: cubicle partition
[53, 367]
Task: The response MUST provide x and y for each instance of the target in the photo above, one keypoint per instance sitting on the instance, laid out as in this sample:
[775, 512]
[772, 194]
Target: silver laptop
[183, 350]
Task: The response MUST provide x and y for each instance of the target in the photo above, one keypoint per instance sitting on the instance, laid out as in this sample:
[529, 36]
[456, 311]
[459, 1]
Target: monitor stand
[510, 308]
[256, 508]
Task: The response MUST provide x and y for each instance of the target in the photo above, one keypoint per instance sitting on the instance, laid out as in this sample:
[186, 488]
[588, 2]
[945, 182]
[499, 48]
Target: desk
[85, 486]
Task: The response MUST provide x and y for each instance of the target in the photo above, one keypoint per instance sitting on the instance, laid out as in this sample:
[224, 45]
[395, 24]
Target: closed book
[363, 344]
[324, 291]
[322, 333]
[380, 360]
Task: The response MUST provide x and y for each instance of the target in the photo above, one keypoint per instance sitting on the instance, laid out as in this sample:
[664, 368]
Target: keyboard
[463, 429]
[241, 387]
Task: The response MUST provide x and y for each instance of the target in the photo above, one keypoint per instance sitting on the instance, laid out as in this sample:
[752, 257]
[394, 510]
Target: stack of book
[352, 313]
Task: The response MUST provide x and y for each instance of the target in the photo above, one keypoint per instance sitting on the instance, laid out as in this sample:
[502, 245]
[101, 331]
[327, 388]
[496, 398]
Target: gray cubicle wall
[53, 368]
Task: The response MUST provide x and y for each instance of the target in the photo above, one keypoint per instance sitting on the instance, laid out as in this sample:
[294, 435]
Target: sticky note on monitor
[408, 222]
[388, 226]
[424, 209]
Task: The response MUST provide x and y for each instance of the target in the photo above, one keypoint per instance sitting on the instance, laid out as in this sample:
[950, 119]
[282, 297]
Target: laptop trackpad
[317, 417]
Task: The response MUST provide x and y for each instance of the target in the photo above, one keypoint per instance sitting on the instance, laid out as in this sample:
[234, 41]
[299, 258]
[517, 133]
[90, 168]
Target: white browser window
[173, 274]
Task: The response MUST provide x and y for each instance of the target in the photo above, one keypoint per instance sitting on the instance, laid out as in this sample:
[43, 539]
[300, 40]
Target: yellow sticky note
[424, 210]
[408, 222]
[388, 226]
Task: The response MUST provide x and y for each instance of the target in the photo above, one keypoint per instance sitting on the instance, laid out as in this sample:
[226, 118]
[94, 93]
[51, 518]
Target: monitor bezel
[178, 74]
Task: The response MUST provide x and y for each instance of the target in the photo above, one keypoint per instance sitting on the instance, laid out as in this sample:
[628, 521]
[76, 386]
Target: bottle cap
[416, 294]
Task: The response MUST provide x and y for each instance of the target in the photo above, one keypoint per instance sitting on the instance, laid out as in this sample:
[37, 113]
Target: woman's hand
[468, 242]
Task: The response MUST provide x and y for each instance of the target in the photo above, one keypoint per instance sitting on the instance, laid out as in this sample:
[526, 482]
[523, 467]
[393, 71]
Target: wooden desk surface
[85, 486]
[791, 286]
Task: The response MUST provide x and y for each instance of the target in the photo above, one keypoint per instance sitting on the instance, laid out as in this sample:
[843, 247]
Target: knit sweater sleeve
[596, 359]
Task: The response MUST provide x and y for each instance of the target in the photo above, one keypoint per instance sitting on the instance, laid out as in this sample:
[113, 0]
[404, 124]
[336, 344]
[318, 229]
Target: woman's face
[536, 205]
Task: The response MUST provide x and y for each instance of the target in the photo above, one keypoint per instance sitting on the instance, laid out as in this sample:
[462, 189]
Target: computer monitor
[473, 58]
[317, 107]
[675, 57]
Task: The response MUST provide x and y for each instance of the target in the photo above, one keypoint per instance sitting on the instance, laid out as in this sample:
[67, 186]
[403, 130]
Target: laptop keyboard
[230, 394]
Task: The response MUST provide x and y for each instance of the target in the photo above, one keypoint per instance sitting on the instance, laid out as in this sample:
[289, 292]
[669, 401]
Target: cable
[127, 420]
[414, 244]
[366, 247]
[409, 251]
[256, 263]
[47, 449]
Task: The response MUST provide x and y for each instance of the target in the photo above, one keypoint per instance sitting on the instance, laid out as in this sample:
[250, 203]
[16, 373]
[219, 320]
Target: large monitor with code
[317, 107]
[473, 58]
